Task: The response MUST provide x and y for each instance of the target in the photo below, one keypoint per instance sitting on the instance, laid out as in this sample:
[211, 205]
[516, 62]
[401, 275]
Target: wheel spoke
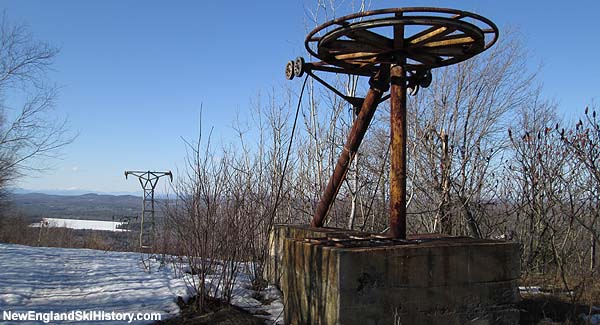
[373, 39]
[425, 58]
[430, 35]
[356, 56]
[346, 46]
[433, 31]
[434, 38]
[460, 39]
[445, 50]
[367, 64]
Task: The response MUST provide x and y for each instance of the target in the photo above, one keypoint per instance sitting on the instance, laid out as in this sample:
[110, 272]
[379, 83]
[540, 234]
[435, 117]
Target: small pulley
[299, 67]
[419, 79]
[289, 70]
[295, 68]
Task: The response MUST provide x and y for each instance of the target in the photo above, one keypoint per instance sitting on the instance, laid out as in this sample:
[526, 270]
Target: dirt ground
[550, 310]
[217, 313]
[535, 310]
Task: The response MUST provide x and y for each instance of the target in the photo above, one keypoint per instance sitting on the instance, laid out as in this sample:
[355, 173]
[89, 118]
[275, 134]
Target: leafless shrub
[27, 131]
[205, 219]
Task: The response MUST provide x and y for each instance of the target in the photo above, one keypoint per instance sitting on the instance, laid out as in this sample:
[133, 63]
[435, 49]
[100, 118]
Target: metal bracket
[310, 68]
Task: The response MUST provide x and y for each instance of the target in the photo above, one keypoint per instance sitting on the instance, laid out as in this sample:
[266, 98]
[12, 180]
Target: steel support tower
[396, 49]
[148, 180]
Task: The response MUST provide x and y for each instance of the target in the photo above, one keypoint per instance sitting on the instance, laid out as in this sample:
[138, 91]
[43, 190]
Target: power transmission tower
[148, 180]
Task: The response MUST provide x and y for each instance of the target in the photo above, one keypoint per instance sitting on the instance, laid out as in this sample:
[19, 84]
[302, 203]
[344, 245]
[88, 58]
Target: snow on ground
[593, 319]
[79, 224]
[248, 299]
[537, 290]
[60, 280]
[266, 303]
[531, 290]
[46, 279]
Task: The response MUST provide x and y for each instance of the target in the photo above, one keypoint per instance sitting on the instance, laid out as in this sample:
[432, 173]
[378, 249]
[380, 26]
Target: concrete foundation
[277, 237]
[342, 277]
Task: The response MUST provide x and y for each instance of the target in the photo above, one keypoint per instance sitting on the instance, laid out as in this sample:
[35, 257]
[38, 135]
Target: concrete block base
[273, 270]
[354, 278]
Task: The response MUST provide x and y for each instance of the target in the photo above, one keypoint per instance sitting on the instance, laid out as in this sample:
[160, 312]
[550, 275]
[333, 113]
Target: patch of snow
[536, 290]
[532, 290]
[266, 304]
[80, 224]
[46, 279]
[591, 319]
[275, 308]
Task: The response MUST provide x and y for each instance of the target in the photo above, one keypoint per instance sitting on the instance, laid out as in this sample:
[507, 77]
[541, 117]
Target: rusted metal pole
[398, 139]
[398, 153]
[445, 218]
[379, 84]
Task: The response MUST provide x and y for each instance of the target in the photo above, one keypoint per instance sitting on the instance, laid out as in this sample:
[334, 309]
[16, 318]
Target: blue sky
[134, 74]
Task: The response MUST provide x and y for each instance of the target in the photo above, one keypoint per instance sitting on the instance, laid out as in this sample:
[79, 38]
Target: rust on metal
[355, 137]
[445, 164]
[355, 42]
[398, 153]
[367, 43]
[398, 141]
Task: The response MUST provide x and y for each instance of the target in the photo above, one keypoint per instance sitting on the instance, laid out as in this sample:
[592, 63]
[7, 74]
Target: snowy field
[79, 224]
[60, 280]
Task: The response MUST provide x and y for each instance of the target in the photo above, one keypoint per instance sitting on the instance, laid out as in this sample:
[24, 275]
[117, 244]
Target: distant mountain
[87, 206]
[17, 190]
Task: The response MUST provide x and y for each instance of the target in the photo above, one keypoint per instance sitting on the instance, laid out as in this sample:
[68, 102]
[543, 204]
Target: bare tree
[459, 126]
[206, 221]
[28, 131]
[583, 143]
[528, 190]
